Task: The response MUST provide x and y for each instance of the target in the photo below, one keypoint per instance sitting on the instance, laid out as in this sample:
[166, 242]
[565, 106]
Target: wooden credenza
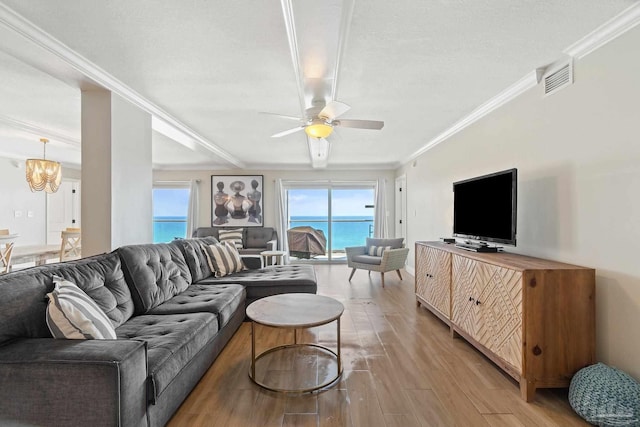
[534, 318]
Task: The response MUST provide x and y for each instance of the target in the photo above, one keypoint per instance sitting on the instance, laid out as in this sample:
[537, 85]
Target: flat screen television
[485, 207]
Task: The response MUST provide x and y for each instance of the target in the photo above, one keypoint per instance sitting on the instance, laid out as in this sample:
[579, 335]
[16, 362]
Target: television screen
[484, 208]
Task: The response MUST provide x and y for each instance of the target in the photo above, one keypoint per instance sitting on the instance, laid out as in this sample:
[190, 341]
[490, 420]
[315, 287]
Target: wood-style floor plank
[401, 368]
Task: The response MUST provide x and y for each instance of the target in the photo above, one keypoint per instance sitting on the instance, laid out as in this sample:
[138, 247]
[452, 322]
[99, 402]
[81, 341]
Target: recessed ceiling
[418, 65]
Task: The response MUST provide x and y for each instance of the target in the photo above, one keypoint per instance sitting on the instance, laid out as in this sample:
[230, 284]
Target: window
[344, 212]
[170, 210]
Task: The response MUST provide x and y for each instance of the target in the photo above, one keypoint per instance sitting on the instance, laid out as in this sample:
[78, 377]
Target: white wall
[117, 173]
[15, 195]
[270, 176]
[578, 158]
[131, 179]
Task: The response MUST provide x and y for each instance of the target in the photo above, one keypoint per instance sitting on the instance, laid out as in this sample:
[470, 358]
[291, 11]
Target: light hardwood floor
[401, 368]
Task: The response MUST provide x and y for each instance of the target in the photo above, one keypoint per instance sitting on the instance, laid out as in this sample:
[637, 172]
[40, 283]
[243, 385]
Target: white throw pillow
[378, 250]
[223, 259]
[234, 236]
[72, 314]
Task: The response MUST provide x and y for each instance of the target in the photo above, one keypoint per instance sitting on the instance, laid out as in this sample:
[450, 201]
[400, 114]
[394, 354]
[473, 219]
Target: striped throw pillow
[223, 259]
[234, 236]
[72, 314]
[378, 250]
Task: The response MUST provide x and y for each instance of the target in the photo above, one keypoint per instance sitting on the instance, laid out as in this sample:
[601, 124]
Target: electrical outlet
[30, 214]
[17, 214]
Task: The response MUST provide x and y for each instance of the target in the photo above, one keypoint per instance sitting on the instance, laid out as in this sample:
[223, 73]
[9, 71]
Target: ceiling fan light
[318, 130]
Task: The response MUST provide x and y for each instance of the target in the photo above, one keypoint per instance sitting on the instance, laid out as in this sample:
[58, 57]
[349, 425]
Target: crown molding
[615, 27]
[17, 23]
[527, 82]
[610, 30]
[39, 131]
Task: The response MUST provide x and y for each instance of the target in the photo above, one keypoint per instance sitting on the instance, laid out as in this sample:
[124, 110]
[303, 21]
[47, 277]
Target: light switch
[30, 214]
[17, 214]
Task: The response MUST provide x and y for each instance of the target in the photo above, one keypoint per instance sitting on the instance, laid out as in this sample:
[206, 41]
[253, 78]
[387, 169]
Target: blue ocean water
[167, 228]
[347, 230]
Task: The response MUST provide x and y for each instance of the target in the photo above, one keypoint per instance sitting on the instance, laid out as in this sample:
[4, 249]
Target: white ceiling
[419, 65]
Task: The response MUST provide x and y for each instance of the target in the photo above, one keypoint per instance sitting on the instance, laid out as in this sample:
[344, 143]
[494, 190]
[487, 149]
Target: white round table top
[295, 310]
[272, 253]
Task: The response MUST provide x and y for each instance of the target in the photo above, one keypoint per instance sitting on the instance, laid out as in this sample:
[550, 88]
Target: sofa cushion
[173, 340]
[258, 237]
[102, 278]
[222, 300]
[394, 243]
[232, 236]
[223, 258]
[24, 293]
[195, 257]
[155, 273]
[272, 280]
[367, 259]
[72, 314]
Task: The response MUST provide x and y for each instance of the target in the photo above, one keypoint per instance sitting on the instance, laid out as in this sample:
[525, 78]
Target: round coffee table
[295, 311]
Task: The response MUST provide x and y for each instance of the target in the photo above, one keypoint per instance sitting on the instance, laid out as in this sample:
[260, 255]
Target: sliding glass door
[326, 218]
[351, 218]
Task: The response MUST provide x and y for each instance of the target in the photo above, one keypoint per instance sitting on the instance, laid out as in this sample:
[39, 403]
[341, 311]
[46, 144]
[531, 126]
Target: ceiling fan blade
[359, 124]
[287, 132]
[333, 109]
[281, 116]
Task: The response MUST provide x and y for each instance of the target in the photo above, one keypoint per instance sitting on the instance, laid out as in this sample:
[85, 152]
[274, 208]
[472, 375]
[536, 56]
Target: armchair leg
[399, 275]
[382, 275]
[351, 275]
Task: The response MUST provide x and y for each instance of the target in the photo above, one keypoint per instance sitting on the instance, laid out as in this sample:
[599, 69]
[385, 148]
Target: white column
[116, 173]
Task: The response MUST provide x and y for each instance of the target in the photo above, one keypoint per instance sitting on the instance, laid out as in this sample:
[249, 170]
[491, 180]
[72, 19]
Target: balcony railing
[346, 232]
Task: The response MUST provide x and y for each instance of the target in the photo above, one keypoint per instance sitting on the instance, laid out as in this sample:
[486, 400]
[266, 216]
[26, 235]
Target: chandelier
[43, 174]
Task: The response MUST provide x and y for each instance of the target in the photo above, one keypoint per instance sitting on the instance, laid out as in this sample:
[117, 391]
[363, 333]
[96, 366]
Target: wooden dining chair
[6, 248]
[70, 246]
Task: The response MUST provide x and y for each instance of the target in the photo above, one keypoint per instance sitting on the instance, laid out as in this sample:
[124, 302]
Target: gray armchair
[394, 258]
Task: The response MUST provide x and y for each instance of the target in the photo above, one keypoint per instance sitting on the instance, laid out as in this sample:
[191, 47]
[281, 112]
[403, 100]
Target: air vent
[559, 78]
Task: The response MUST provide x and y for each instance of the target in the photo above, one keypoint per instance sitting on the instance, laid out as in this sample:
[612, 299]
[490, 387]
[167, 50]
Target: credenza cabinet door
[487, 305]
[501, 311]
[433, 278]
[465, 288]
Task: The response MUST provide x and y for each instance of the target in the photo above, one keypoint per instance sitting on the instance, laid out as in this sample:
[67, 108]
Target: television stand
[478, 247]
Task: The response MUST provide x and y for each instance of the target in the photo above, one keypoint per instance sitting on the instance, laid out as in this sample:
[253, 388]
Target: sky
[170, 201]
[345, 202]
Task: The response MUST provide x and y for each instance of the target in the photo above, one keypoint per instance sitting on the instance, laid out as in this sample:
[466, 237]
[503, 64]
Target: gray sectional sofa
[172, 319]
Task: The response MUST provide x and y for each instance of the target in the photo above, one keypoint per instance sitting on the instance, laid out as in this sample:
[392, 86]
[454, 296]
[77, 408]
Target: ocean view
[347, 230]
[167, 228]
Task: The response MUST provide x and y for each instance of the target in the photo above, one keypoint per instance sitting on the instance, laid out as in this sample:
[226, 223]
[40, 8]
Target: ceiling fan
[321, 125]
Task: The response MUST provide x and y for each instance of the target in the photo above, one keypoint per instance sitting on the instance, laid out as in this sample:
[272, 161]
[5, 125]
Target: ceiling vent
[559, 77]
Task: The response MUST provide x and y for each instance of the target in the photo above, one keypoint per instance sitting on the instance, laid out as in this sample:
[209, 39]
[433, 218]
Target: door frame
[400, 228]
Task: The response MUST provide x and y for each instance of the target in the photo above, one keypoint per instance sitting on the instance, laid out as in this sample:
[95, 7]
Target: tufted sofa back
[155, 273]
[194, 255]
[23, 301]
